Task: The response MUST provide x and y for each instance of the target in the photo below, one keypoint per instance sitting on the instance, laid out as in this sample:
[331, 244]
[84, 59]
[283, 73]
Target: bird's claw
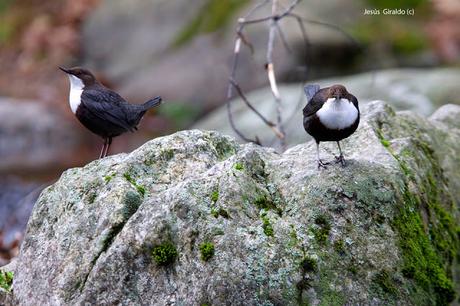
[322, 164]
[340, 159]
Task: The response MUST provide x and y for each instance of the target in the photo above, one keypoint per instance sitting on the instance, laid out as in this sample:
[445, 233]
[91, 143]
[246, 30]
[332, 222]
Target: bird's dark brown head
[83, 74]
[337, 92]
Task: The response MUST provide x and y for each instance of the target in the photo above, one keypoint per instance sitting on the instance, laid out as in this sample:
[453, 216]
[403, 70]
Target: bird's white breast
[76, 89]
[338, 114]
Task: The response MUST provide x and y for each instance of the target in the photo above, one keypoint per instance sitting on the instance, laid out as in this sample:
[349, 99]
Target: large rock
[420, 90]
[194, 218]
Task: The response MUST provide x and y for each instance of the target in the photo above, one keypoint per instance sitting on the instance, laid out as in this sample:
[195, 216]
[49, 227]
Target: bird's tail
[152, 103]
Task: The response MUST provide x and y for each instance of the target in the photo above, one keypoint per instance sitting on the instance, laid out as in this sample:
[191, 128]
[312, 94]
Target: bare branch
[246, 101]
[283, 38]
[271, 72]
[236, 52]
[325, 24]
[255, 8]
[245, 41]
[274, 16]
[304, 34]
[235, 129]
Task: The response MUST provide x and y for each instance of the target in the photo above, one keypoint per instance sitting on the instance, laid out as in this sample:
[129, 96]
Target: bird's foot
[322, 164]
[340, 159]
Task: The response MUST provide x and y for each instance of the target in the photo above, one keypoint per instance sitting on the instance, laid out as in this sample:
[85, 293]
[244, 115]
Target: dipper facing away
[331, 114]
[101, 110]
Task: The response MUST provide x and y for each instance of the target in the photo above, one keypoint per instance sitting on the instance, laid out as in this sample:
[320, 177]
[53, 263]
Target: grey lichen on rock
[381, 231]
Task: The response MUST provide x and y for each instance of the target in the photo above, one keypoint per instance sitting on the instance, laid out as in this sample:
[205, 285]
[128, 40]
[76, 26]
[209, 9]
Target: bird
[331, 114]
[101, 110]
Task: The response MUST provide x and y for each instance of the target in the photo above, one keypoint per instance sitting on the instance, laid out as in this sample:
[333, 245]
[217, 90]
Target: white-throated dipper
[331, 114]
[101, 110]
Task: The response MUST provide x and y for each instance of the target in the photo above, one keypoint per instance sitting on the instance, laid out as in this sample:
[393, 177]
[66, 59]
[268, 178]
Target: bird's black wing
[107, 105]
[353, 100]
[315, 103]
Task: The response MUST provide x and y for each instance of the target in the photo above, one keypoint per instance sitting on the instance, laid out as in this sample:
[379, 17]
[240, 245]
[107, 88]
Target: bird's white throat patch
[338, 114]
[76, 89]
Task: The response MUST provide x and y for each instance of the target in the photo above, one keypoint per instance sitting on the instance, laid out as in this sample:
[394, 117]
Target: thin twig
[229, 94]
[283, 38]
[325, 24]
[241, 39]
[271, 72]
[274, 16]
[256, 7]
[236, 130]
[306, 41]
[245, 41]
[246, 101]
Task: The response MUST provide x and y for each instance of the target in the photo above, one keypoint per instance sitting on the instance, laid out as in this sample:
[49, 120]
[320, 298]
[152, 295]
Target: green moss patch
[140, 188]
[264, 202]
[164, 254]
[207, 250]
[384, 280]
[219, 212]
[339, 246]
[239, 166]
[267, 226]
[308, 264]
[428, 244]
[91, 197]
[215, 196]
[166, 154]
[6, 280]
[322, 230]
[214, 15]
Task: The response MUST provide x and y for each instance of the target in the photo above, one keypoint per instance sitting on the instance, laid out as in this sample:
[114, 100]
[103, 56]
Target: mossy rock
[383, 230]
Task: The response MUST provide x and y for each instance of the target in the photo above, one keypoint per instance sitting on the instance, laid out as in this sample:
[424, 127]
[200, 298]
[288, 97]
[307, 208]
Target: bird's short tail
[152, 103]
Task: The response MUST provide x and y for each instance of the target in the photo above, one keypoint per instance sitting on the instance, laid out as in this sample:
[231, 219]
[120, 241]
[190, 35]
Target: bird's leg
[108, 146]
[321, 164]
[103, 149]
[340, 159]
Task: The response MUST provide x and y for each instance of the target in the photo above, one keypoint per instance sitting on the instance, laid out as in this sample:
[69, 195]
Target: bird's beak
[65, 70]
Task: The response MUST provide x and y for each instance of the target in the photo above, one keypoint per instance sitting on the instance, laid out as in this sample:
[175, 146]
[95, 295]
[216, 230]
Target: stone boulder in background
[197, 70]
[420, 90]
[194, 218]
[33, 137]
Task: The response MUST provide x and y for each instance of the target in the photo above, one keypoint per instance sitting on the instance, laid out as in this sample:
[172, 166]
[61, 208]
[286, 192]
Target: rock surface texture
[195, 218]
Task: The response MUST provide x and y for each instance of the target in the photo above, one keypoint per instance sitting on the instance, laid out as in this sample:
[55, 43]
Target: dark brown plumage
[101, 110]
[331, 114]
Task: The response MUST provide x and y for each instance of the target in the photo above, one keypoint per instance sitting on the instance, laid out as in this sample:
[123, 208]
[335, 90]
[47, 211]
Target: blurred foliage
[4, 4]
[408, 42]
[181, 114]
[395, 3]
[214, 15]
[9, 21]
[16, 15]
[401, 36]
